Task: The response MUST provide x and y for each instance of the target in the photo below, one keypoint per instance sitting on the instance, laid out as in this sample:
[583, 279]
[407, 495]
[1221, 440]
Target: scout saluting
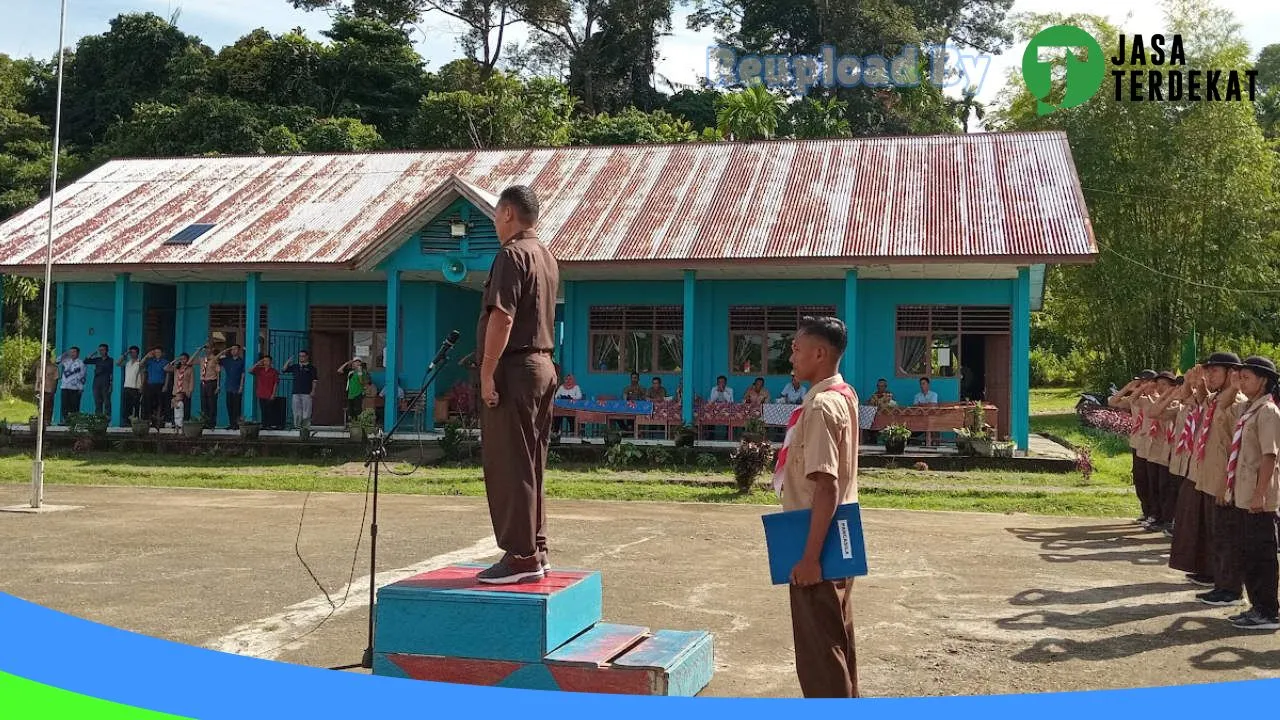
[1158, 431]
[1213, 449]
[1191, 543]
[1253, 482]
[1132, 398]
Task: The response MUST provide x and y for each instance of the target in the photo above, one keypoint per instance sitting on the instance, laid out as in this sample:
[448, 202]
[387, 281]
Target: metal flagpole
[37, 467]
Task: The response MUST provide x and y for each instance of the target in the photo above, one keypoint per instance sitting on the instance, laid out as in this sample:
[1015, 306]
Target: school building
[680, 261]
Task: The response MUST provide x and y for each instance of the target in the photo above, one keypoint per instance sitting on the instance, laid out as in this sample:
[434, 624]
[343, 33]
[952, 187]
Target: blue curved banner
[60, 651]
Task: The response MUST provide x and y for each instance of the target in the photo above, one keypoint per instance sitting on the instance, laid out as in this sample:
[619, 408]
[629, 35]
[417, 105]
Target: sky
[32, 29]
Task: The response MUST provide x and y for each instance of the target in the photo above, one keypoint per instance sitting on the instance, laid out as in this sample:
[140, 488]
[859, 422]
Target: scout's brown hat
[1223, 359]
[1262, 366]
[1146, 375]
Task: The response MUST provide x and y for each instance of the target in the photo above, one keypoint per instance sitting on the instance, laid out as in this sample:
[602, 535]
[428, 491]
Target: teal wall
[458, 309]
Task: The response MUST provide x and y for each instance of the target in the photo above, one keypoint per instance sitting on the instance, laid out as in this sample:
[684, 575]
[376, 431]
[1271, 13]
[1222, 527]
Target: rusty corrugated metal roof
[938, 198]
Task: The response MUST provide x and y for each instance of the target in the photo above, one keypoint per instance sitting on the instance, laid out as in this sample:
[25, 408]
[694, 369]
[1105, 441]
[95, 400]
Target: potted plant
[964, 441]
[34, 423]
[194, 427]
[304, 431]
[754, 430]
[361, 426]
[139, 426]
[1002, 449]
[894, 439]
[249, 429]
[686, 436]
[6, 433]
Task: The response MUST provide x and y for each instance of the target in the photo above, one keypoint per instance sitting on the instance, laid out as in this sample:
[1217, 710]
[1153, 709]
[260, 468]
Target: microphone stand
[377, 455]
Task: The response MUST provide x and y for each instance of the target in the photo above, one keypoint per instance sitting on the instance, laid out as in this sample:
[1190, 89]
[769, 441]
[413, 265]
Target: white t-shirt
[73, 374]
[930, 399]
[133, 374]
[399, 392]
[791, 395]
[722, 396]
[573, 393]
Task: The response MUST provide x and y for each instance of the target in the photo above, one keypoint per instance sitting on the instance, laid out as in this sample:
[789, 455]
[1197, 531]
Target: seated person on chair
[926, 396]
[656, 391]
[793, 393]
[756, 394]
[882, 398]
[571, 391]
[721, 393]
[635, 391]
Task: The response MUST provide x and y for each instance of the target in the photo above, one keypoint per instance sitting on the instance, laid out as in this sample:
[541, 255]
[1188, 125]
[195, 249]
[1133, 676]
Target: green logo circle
[1084, 70]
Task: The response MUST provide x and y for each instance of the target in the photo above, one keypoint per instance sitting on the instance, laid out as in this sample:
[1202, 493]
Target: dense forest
[1182, 195]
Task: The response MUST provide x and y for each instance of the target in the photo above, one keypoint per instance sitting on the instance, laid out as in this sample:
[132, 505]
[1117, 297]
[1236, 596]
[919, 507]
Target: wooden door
[998, 378]
[329, 350]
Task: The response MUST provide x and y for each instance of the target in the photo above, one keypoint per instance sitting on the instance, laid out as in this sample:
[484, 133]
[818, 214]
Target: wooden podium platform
[444, 626]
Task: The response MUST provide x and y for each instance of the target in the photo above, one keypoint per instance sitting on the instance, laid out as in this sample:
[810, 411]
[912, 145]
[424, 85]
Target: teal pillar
[569, 348]
[687, 363]
[849, 363]
[431, 328]
[1020, 390]
[249, 403]
[60, 345]
[391, 407]
[118, 347]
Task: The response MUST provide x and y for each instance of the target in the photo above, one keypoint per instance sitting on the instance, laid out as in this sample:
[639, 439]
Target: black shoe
[1254, 620]
[510, 570]
[1219, 598]
[1239, 616]
[1168, 532]
[1201, 580]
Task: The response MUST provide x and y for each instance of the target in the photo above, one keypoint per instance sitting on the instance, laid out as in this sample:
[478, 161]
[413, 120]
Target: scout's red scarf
[1234, 459]
[1203, 440]
[1187, 438]
[792, 421]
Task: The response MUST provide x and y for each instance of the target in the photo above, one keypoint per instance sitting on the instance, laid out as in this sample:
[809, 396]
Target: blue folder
[844, 554]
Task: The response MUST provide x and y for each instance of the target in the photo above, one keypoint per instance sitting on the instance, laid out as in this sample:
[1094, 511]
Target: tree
[482, 18]
[395, 13]
[696, 106]
[375, 75]
[203, 126]
[273, 70]
[141, 59]
[812, 118]
[969, 107]
[751, 114]
[340, 135]
[509, 113]
[631, 127]
[1267, 103]
[1164, 256]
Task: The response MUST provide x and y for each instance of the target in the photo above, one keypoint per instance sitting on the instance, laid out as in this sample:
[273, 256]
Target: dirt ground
[956, 603]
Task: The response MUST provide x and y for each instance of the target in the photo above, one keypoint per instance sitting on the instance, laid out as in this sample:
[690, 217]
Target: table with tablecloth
[931, 418]
[601, 412]
[777, 414]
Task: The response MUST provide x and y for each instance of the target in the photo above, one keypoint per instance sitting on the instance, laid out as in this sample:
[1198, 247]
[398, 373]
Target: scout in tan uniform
[1253, 483]
[1191, 540]
[1212, 451]
[515, 336]
[818, 470]
[1127, 399]
[1157, 433]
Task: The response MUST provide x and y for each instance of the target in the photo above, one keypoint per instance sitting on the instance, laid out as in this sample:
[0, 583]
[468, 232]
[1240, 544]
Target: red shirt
[266, 380]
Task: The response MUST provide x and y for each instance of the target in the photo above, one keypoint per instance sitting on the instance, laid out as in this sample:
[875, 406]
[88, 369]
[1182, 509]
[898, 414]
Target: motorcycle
[1090, 400]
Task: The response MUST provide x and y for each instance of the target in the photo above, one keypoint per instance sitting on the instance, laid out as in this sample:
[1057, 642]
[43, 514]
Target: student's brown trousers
[822, 625]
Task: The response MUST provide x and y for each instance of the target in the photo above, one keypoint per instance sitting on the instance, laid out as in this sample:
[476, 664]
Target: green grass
[17, 410]
[1047, 401]
[1112, 462]
[1063, 494]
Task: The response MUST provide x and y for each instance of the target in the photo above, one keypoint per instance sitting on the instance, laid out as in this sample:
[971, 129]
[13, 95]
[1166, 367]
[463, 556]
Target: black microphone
[445, 347]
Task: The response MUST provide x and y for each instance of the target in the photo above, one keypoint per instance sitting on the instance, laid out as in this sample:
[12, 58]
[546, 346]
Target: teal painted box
[448, 613]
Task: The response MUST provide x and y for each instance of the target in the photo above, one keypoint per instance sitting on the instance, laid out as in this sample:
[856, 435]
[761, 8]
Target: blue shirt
[234, 368]
[155, 370]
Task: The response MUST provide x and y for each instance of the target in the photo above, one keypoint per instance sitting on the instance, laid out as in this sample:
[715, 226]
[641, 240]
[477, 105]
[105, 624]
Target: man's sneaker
[1168, 532]
[1201, 580]
[1219, 598]
[510, 570]
[544, 561]
[1254, 620]
[1239, 616]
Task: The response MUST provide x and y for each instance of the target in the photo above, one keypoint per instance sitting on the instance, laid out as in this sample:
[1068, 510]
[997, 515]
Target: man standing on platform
[515, 337]
[817, 470]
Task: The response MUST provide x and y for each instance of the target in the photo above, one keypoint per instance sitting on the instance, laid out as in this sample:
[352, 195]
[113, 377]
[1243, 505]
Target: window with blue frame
[928, 337]
[760, 336]
[636, 338]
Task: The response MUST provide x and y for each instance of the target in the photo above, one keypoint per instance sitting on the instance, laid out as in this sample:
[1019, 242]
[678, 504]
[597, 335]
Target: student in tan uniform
[1127, 399]
[1190, 552]
[1253, 482]
[1213, 449]
[515, 336]
[1157, 432]
[818, 470]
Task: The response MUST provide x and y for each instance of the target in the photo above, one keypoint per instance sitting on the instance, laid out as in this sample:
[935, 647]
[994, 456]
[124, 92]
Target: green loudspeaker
[454, 269]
